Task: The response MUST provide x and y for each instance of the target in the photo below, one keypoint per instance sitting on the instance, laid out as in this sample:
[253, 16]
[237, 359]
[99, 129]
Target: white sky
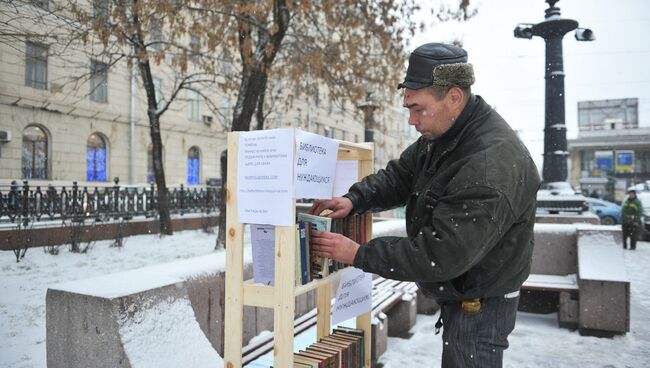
[510, 71]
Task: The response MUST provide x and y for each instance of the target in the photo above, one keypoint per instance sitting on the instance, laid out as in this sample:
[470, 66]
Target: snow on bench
[551, 282]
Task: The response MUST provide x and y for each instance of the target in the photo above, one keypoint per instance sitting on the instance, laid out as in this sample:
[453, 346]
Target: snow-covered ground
[23, 285]
[536, 341]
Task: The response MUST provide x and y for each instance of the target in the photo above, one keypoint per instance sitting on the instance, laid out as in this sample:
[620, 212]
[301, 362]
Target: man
[469, 186]
[632, 219]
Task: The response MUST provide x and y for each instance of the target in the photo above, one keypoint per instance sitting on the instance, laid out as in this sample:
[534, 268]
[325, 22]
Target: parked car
[608, 212]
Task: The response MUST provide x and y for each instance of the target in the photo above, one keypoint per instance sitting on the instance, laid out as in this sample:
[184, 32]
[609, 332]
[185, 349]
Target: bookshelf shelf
[281, 296]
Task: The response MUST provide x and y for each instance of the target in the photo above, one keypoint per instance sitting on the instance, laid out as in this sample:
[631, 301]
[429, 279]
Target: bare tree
[348, 47]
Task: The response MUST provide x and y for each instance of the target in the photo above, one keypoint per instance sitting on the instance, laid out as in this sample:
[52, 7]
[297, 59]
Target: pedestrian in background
[632, 219]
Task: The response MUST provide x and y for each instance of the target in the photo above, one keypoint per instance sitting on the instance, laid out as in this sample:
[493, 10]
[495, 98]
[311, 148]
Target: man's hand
[334, 246]
[341, 207]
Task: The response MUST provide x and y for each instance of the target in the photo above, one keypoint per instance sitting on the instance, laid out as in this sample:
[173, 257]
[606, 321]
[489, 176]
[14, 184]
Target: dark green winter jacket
[470, 210]
[632, 211]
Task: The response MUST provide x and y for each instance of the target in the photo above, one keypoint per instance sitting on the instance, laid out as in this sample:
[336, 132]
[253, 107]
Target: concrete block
[82, 329]
[207, 295]
[603, 282]
[583, 218]
[402, 316]
[604, 308]
[426, 305]
[109, 329]
[568, 311]
[379, 336]
[555, 250]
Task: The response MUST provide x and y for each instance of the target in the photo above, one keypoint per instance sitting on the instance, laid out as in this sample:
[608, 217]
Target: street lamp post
[368, 108]
[552, 30]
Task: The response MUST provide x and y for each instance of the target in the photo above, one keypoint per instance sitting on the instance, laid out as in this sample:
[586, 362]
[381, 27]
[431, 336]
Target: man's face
[430, 117]
[632, 195]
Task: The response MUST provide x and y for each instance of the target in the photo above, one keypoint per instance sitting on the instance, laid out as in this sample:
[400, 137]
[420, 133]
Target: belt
[474, 305]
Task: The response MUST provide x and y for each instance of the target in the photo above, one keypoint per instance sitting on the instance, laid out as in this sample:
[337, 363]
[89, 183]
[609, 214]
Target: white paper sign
[354, 295]
[264, 177]
[263, 244]
[315, 165]
[347, 173]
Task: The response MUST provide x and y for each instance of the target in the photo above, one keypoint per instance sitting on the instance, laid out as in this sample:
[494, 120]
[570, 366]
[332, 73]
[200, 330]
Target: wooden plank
[316, 283]
[363, 323]
[324, 308]
[283, 295]
[258, 295]
[234, 309]
[354, 155]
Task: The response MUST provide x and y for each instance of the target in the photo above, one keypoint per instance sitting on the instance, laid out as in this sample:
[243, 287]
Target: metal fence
[24, 204]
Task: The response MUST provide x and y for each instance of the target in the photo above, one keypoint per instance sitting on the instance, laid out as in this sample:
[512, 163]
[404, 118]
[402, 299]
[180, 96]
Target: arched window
[193, 165]
[34, 162]
[151, 178]
[96, 158]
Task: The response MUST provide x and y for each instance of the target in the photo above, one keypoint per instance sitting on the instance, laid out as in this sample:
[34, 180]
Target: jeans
[477, 339]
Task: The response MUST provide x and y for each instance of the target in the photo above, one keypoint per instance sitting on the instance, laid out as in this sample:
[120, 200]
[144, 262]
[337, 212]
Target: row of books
[344, 348]
[309, 266]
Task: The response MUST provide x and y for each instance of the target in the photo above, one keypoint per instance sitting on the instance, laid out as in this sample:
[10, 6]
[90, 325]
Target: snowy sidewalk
[536, 341]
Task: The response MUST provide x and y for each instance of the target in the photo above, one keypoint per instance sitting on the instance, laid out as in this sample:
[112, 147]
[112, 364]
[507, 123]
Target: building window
[43, 4]
[34, 161]
[156, 39]
[193, 166]
[96, 158]
[98, 82]
[100, 9]
[194, 105]
[158, 89]
[151, 176]
[36, 65]
[195, 47]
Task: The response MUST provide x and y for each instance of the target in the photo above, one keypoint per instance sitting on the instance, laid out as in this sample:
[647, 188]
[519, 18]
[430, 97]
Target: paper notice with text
[315, 165]
[263, 245]
[353, 296]
[265, 177]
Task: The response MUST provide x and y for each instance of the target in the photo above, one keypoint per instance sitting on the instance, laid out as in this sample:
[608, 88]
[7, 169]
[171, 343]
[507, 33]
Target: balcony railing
[25, 204]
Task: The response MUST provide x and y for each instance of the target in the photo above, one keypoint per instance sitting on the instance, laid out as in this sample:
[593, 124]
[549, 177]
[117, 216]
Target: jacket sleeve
[388, 188]
[463, 228]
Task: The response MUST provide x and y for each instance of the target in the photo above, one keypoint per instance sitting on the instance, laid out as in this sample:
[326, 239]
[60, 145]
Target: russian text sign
[264, 177]
[353, 296]
[315, 165]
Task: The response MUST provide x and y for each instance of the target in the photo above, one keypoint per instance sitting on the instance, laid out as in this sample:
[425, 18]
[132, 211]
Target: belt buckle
[471, 306]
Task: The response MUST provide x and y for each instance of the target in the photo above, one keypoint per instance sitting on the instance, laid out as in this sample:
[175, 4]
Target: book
[304, 253]
[308, 361]
[320, 266]
[338, 353]
[322, 358]
[342, 347]
[353, 333]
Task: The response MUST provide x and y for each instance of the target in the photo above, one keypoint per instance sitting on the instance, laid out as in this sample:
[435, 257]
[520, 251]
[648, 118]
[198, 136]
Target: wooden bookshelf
[280, 297]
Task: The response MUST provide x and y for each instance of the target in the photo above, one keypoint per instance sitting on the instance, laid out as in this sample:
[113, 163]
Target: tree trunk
[156, 141]
[221, 234]
[259, 114]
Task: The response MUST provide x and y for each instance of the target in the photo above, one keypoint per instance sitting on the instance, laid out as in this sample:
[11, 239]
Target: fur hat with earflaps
[440, 65]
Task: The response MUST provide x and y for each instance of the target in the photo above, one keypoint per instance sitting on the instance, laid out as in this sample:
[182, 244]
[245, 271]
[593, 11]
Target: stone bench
[181, 304]
[604, 285]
